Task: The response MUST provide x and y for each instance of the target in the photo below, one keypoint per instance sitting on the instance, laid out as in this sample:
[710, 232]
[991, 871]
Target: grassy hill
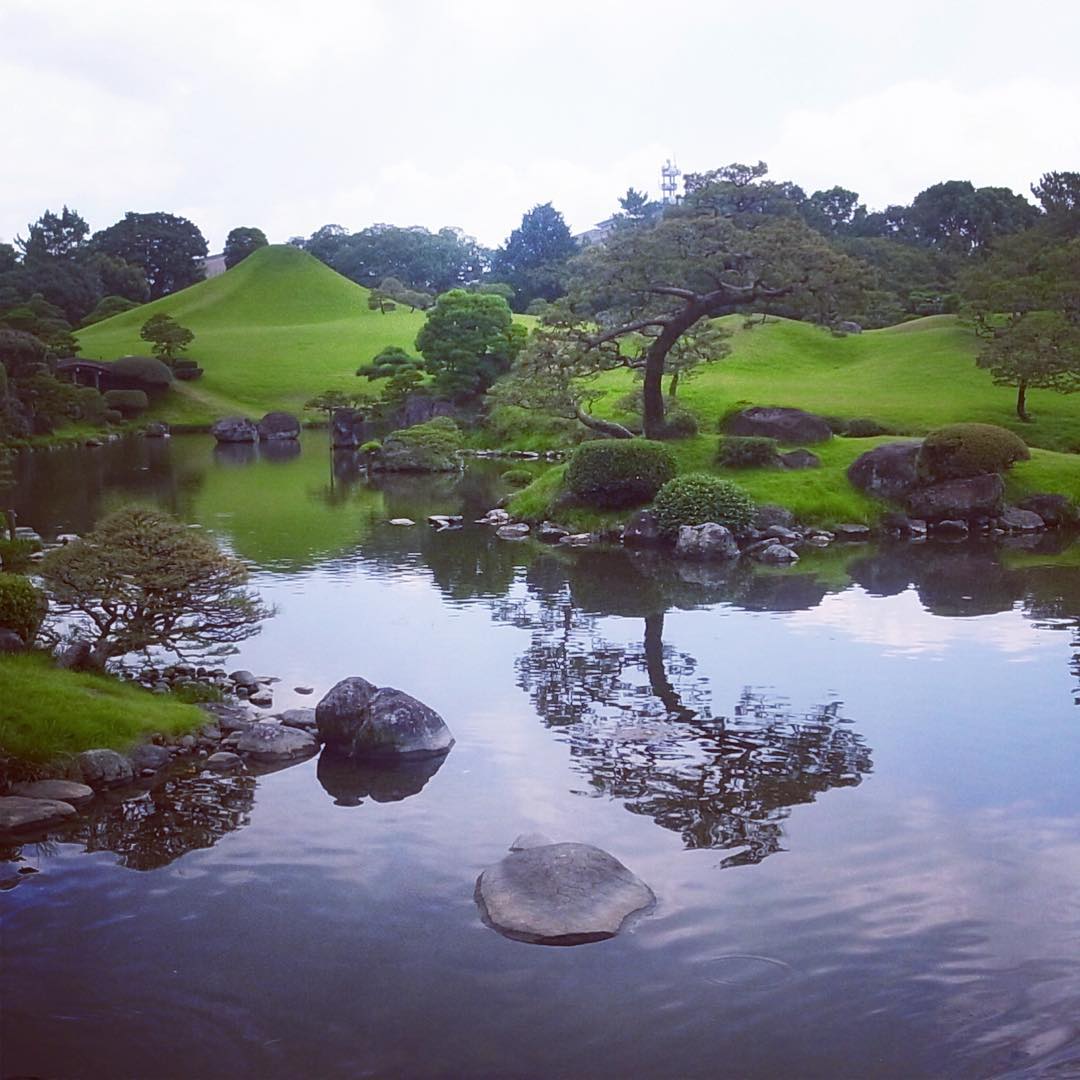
[911, 378]
[270, 333]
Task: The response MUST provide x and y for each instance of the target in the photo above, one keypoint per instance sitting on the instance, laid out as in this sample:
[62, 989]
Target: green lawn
[912, 378]
[46, 712]
[271, 333]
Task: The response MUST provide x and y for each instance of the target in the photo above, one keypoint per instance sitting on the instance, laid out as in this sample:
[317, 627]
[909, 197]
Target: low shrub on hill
[960, 450]
[22, 606]
[747, 452]
[697, 498]
[616, 473]
[142, 373]
[127, 402]
[679, 424]
[518, 477]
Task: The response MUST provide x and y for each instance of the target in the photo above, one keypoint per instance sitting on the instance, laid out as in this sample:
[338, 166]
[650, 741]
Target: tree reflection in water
[185, 812]
[640, 726]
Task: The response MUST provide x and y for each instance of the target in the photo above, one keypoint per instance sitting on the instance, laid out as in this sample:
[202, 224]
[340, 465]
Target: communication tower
[669, 183]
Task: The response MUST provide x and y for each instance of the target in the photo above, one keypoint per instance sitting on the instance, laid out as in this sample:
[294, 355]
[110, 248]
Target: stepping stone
[18, 813]
[63, 790]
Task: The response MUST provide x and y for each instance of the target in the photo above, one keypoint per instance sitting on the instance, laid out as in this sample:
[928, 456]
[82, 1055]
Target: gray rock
[445, 521]
[1013, 519]
[769, 514]
[63, 790]
[262, 697]
[560, 894]
[849, 327]
[708, 541]
[300, 718]
[304, 689]
[243, 677]
[518, 531]
[403, 521]
[965, 499]
[578, 539]
[278, 426]
[951, 527]
[358, 719]
[224, 761]
[889, 471]
[785, 536]
[916, 527]
[852, 531]
[495, 517]
[149, 756]
[642, 530]
[547, 532]
[783, 424]
[800, 459]
[348, 429]
[235, 429]
[155, 430]
[776, 554]
[104, 768]
[76, 657]
[1055, 510]
[10, 642]
[18, 813]
[420, 408]
[274, 743]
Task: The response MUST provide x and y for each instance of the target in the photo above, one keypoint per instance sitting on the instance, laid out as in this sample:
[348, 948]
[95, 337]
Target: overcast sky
[291, 115]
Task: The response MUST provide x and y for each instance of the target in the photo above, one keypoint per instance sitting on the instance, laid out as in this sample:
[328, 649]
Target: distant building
[597, 234]
[214, 265]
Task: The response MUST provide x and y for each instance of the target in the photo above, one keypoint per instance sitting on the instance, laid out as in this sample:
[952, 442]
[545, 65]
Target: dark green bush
[747, 452]
[113, 416]
[959, 450]
[22, 607]
[616, 473]
[107, 307]
[679, 424]
[91, 405]
[518, 477]
[142, 373]
[698, 497]
[427, 447]
[127, 402]
[865, 427]
[16, 553]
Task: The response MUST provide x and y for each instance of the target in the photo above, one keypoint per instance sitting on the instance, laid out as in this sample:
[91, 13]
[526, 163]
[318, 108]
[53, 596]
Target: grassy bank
[46, 713]
[821, 497]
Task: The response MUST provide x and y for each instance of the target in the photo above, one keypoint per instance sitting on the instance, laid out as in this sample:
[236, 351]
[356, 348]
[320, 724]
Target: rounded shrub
[679, 424]
[747, 452]
[617, 473]
[960, 450]
[864, 427]
[113, 416]
[696, 498]
[518, 477]
[22, 607]
[127, 402]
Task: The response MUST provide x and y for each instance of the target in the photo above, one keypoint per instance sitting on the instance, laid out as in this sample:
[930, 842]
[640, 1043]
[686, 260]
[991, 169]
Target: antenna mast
[669, 183]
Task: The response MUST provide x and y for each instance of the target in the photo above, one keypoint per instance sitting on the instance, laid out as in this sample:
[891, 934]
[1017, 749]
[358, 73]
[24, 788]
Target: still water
[853, 785]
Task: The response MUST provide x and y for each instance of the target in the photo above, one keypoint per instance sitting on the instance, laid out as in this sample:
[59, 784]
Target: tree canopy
[241, 242]
[534, 255]
[170, 250]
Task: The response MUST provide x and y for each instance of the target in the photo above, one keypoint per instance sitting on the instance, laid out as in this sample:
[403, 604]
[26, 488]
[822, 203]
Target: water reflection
[349, 782]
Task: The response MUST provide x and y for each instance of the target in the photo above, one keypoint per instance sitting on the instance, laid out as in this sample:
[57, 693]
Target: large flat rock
[18, 813]
[560, 894]
[274, 743]
[63, 790]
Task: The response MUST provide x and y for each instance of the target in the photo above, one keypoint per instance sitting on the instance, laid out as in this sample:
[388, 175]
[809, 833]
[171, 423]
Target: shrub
[427, 447]
[747, 452]
[959, 450]
[698, 497]
[196, 693]
[91, 405]
[127, 402]
[372, 446]
[142, 373]
[113, 416]
[14, 553]
[22, 607]
[679, 424]
[107, 307]
[865, 427]
[616, 473]
[518, 477]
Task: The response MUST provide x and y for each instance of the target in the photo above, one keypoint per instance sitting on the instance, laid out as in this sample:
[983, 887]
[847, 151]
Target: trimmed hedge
[961, 450]
[22, 607]
[518, 477]
[127, 402]
[697, 498]
[747, 452]
[616, 473]
[146, 372]
[679, 423]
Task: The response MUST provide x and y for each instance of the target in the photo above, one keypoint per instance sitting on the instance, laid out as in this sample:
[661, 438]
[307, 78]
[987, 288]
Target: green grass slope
[912, 378]
[270, 333]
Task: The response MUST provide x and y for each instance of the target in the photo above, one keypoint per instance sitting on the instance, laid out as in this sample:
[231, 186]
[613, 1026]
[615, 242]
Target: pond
[853, 786]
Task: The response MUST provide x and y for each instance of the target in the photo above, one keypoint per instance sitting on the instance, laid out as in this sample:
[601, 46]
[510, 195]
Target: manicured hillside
[270, 333]
[911, 378]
